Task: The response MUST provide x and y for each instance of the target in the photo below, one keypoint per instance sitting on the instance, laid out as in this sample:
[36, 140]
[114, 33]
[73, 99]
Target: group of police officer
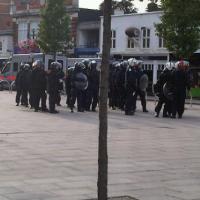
[33, 82]
[127, 81]
[171, 89]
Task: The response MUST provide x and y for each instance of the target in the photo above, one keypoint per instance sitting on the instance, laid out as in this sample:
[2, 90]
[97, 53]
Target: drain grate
[119, 198]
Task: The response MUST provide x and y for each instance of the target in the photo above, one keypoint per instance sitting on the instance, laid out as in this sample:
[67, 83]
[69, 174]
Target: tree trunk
[103, 118]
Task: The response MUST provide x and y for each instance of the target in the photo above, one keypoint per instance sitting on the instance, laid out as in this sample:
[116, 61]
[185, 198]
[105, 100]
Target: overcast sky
[94, 4]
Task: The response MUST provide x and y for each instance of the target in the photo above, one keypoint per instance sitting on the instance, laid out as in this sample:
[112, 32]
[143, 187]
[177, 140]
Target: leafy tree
[180, 26]
[153, 6]
[54, 27]
[125, 5]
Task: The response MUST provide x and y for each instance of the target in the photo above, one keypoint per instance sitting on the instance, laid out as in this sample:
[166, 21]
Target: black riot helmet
[124, 64]
[27, 67]
[79, 66]
[21, 67]
[55, 66]
[86, 62]
[93, 65]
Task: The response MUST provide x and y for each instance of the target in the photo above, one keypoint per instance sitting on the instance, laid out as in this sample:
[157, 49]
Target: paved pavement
[54, 157]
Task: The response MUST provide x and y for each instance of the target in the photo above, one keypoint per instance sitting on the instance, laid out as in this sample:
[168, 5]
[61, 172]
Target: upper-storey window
[113, 39]
[22, 31]
[161, 42]
[1, 46]
[130, 43]
[146, 37]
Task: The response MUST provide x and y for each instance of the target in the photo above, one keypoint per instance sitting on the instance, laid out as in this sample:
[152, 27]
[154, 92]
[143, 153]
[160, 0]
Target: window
[130, 43]
[1, 46]
[113, 39]
[161, 43]
[146, 38]
[22, 31]
[33, 30]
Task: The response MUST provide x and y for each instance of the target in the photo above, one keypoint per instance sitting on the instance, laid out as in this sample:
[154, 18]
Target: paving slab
[54, 157]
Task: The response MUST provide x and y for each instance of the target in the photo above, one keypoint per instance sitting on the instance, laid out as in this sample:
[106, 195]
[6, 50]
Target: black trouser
[68, 93]
[52, 100]
[43, 100]
[129, 102]
[179, 102]
[36, 95]
[80, 100]
[113, 97]
[25, 97]
[72, 98]
[58, 98]
[122, 98]
[142, 95]
[92, 98]
[18, 96]
[160, 103]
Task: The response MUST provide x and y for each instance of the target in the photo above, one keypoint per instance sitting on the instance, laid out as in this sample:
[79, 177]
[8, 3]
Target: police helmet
[124, 64]
[86, 62]
[169, 66]
[132, 62]
[27, 67]
[79, 66]
[182, 64]
[54, 65]
[38, 64]
[21, 67]
[93, 64]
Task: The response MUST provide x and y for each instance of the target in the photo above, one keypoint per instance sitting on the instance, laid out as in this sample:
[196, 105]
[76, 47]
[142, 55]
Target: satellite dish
[132, 32]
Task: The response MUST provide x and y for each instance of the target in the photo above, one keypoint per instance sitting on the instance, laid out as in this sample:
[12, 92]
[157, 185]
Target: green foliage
[125, 5]
[153, 6]
[54, 27]
[180, 26]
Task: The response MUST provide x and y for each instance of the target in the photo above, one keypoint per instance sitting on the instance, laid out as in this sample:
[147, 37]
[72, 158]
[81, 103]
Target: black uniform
[52, 89]
[38, 88]
[130, 86]
[181, 81]
[93, 87]
[68, 84]
[25, 82]
[121, 85]
[18, 86]
[113, 89]
[165, 78]
[79, 85]
[139, 92]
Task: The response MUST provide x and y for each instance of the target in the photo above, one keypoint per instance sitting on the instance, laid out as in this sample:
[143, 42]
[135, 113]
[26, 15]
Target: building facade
[26, 17]
[144, 43]
[88, 31]
[6, 30]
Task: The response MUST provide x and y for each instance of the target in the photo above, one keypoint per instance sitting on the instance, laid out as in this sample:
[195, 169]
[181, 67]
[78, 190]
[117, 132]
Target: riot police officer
[53, 86]
[93, 86]
[164, 98]
[130, 87]
[142, 82]
[25, 83]
[79, 85]
[181, 82]
[18, 85]
[38, 86]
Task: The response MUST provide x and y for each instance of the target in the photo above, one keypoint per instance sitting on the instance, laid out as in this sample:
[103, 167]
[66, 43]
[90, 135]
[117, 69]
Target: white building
[145, 45]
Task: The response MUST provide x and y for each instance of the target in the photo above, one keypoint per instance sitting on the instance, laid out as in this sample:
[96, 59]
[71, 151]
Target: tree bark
[103, 118]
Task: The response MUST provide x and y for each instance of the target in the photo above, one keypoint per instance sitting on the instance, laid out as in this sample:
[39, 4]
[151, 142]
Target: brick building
[26, 15]
[6, 30]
